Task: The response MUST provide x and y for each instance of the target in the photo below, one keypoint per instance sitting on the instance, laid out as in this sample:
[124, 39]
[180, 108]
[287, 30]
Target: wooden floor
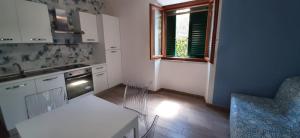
[181, 116]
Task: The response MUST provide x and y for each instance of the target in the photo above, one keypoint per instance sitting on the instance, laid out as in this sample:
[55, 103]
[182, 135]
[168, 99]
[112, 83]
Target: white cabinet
[54, 84]
[100, 82]
[12, 96]
[34, 22]
[50, 82]
[88, 24]
[12, 102]
[114, 67]
[99, 78]
[109, 31]
[98, 68]
[9, 28]
[109, 38]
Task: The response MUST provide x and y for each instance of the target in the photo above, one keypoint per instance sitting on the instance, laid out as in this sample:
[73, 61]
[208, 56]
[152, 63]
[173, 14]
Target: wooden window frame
[214, 32]
[152, 50]
[208, 55]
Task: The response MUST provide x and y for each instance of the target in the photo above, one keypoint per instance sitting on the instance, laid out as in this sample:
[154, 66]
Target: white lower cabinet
[12, 102]
[50, 82]
[12, 96]
[100, 82]
[114, 67]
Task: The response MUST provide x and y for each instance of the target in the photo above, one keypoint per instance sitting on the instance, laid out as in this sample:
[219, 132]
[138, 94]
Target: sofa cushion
[288, 99]
[257, 117]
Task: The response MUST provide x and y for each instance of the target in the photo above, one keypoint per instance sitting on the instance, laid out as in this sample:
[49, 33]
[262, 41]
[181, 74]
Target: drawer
[98, 68]
[50, 82]
[100, 82]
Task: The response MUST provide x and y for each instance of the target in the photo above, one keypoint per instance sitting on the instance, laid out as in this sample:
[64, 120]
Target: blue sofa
[255, 117]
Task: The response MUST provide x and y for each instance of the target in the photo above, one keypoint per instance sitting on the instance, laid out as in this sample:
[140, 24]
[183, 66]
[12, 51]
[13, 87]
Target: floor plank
[194, 119]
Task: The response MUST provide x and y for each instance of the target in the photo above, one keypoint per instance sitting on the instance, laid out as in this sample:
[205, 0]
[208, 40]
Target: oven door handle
[78, 77]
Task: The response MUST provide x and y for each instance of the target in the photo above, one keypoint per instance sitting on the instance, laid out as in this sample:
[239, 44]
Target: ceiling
[169, 2]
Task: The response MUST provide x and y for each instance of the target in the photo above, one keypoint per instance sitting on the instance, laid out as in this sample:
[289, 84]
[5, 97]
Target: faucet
[21, 71]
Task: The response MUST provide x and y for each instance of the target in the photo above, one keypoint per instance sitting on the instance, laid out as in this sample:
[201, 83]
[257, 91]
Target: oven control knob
[70, 74]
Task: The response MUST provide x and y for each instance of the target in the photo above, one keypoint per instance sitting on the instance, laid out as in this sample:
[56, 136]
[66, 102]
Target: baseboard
[164, 90]
[180, 93]
[218, 107]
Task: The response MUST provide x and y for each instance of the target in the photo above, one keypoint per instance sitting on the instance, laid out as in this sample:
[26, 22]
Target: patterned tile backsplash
[39, 56]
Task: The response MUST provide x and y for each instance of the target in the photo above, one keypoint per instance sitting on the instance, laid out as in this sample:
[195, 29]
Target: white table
[89, 117]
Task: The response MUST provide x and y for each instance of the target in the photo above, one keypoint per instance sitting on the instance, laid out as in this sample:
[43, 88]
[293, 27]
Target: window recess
[184, 31]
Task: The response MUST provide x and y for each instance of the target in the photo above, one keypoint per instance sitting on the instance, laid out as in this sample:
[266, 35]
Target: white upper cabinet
[110, 31]
[34, 22]
[9, 29]
[88, 24]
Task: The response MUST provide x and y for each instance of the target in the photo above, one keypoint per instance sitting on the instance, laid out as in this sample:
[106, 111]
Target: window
[184, 31]
[155, 32]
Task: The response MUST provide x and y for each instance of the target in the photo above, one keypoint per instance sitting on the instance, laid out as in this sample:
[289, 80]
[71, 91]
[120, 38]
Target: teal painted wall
[259, 47]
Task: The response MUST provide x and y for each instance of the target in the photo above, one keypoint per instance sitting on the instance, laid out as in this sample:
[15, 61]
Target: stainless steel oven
[79, 82]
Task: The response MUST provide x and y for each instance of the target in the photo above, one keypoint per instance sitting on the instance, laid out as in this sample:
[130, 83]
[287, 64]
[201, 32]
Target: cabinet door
[98, 68]
[9, 28]
[111, 32]
[12, 102]
[100, 82]
[50, 82]
[88, 24]
[114, 67]
[34, 22]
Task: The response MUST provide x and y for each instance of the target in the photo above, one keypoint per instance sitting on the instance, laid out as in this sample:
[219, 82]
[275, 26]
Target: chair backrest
[43, 102]
[151, 129]
[288, 99]
[136, 98]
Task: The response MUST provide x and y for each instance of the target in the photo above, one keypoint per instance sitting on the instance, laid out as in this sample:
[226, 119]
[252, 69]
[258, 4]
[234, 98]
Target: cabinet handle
[38, 39]
[16, 86]
[49, 79]
[100, 74]
[6, 39]
[113, 47]
[99, 68]
[114, 51]
[90, 39]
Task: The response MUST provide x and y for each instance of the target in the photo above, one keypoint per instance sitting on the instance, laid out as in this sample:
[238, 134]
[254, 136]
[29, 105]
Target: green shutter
[197, 34]
[171, 36]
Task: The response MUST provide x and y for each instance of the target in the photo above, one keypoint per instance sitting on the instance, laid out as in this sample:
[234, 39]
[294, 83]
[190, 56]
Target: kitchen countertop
[4, 80]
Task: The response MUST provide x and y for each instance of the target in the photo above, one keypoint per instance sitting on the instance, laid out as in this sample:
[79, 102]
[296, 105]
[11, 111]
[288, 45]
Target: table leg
[136, 128]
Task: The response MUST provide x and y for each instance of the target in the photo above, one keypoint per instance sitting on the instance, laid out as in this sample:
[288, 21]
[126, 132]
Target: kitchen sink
[11, 77]
[39, 72]
[26, 74]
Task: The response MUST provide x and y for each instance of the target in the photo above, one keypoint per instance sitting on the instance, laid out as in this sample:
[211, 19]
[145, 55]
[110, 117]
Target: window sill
[186, 59]
[156, 57]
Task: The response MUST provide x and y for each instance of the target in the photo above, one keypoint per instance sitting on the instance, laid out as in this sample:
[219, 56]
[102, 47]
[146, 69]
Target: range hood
[63, 33]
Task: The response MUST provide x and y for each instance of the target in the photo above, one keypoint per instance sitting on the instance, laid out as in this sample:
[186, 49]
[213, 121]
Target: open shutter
[171, 36]
[155, 31]
[197, 34]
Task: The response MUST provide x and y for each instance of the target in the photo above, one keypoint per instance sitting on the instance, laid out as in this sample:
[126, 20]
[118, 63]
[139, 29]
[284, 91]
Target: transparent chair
[43, 102]
[136, 98]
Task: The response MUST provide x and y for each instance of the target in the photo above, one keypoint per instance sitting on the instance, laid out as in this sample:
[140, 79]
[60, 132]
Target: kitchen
[55, 45]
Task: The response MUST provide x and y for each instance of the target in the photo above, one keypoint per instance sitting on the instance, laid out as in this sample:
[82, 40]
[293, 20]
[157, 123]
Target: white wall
[189, 77]
[134, 28]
